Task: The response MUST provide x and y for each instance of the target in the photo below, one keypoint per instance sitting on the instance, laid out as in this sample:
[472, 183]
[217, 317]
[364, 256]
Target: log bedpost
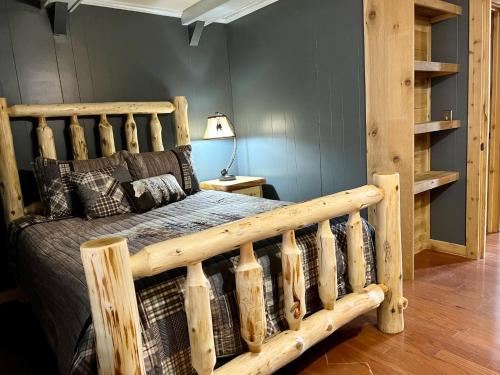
[250, 294]
[199, 319]
[10, 185]
[80, 150]
[327, 265]
[389, 254]
[114, 306]
[131, 134]
[356, 264]
[181, 121]
[293, 281]
[45, 136]
[155, 128]
[106, 136]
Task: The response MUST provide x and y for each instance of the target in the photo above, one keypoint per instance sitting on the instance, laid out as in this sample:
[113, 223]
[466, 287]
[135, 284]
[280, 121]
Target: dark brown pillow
[176, 162]
[58, 195]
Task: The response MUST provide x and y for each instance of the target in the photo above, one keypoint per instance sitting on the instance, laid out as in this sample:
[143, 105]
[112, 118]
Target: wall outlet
[447, 115]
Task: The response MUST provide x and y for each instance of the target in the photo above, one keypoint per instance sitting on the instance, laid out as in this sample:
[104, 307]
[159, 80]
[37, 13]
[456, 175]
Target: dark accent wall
[111, 55]
[450, 43]
[297, 71]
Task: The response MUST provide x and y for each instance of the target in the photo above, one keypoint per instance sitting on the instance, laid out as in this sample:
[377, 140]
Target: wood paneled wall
[297, 70]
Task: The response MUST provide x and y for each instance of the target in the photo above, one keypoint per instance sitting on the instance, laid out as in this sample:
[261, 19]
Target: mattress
[50, 271]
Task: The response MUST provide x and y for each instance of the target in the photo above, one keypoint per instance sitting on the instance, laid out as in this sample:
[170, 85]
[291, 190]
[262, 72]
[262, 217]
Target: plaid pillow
[176, 162]
[58, 195]
[100, 191]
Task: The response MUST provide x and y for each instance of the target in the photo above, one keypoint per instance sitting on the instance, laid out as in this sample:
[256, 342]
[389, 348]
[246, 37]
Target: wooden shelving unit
[435, 126]
[426, 181]
[435, 69]
[436, 10]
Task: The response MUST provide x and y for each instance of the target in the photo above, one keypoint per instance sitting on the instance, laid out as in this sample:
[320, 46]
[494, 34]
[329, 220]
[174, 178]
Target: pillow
[153, 192]
[176, 162]
[58, 196]
[100, 191]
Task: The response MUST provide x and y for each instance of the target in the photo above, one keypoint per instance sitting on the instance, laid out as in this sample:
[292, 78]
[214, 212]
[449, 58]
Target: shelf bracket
[194, 31]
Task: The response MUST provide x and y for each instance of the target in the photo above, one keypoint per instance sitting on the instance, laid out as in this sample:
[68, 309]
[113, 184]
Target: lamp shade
[218, 127]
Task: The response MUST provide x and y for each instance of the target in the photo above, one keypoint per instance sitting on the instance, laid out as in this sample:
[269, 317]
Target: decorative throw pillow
[153, 192]
[100, 191]
[58, 195]
[176, 162]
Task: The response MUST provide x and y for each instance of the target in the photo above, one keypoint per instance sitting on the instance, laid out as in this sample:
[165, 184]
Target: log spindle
[114, 306]
[10, 185]
[181, 121]
[199, 319]
[80, 150]
[327, 265]
[131, 134]
[45, 135]
[389, 255]
[250, 294]
[156, 138]
[356, 264]
[293, 281]
[106, 136]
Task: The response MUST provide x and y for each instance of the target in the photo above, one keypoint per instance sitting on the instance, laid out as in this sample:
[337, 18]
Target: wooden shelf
[430, 180]
[435, 69]
[436, 10]
[435, 126]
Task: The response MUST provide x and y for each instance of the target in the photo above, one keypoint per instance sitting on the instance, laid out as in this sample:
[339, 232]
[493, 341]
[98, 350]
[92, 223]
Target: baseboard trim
[447, 247]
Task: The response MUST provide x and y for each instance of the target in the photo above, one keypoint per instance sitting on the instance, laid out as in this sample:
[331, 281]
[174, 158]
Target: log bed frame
[110, 270]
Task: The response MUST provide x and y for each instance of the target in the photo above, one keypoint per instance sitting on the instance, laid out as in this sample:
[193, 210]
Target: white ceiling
[221, 11]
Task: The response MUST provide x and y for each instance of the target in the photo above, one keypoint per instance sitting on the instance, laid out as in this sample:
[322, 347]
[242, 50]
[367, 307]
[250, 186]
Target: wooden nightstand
[242, 185]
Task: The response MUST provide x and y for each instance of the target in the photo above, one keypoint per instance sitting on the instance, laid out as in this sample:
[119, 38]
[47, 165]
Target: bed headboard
[10, 186]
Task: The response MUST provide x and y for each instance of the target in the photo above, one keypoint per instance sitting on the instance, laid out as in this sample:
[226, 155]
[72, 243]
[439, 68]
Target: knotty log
[45, 135]
[294, 289]
[10, 186]
[327, 265]
[114, 306]
[80, 150]
[106, 137]
[250, 294]
[289, 345]
[131, 134]
[156, 138]
[89, 109]
[181, 121]
[356, 265]
[199, 319]
[389, 254]
[179, 252]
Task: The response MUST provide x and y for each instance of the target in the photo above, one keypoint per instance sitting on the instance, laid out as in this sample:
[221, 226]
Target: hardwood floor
[452, 325]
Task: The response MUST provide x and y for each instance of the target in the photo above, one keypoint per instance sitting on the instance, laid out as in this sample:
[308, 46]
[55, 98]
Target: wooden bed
[110, 270]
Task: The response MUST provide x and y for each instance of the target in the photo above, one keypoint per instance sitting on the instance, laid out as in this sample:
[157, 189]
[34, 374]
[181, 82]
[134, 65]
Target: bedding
[51, 273]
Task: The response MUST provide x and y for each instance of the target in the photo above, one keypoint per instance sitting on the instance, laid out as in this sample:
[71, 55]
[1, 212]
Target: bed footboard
[110, 271]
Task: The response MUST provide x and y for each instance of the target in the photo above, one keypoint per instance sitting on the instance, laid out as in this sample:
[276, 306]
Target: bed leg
[389, 253]
[114, 306]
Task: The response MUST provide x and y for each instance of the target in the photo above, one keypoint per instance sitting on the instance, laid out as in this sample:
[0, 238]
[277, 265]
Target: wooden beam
[10, 185]
[156, 136]
[114, 306]
[356, 264]
[162, 256]
[80, 150]
[478, 125]
[45, 135]
[89, 109]
[131, 134]
[289, 345]
[106, 137]
[327, 265]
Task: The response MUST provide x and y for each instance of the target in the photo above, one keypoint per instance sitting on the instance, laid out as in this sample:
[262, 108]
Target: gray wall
[111, 55]
[449, 149]
[297, 71]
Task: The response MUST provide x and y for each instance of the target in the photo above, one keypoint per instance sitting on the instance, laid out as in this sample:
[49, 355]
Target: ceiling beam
[203, 9]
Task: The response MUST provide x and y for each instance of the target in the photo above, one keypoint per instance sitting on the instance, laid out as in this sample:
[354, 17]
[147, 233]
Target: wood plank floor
[452, 325]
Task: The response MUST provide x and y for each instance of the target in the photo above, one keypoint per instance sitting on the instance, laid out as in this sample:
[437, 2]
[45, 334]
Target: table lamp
[220, 127]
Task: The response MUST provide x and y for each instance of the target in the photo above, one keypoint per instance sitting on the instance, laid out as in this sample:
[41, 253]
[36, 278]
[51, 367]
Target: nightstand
[242, 185]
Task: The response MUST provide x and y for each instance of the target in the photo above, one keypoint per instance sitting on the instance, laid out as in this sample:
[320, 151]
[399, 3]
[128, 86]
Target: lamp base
[228, 177]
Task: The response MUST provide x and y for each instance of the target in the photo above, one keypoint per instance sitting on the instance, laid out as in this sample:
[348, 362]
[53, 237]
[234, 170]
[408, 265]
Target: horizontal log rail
[89, 109]
[187, 250]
